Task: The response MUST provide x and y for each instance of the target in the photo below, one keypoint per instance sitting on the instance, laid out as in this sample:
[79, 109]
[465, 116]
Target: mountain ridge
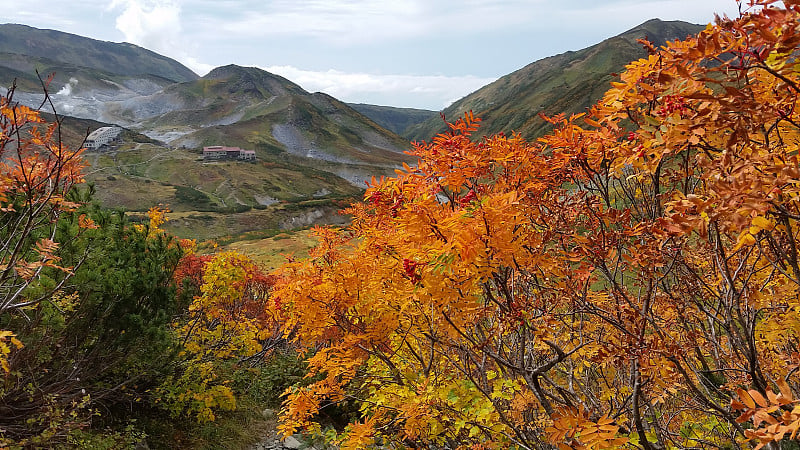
[129, 59]
[568, 82]
[311, 147]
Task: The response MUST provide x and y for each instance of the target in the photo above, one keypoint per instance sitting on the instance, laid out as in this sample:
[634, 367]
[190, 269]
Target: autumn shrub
[95, 347]
[224, 335]
[631, 280]
[85, 297]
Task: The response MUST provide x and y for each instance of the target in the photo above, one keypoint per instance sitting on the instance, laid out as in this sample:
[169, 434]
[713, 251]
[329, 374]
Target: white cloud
[348, 22]
[336, 21]
[431, 91]
[155, 25]
[149, 23]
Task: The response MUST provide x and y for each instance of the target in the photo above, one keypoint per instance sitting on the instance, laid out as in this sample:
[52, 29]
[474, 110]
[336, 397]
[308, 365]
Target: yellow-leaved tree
[227, 324]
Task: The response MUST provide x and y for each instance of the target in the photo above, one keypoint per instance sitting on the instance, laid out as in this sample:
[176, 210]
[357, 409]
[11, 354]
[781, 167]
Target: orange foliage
[36, 172]
[618, 283]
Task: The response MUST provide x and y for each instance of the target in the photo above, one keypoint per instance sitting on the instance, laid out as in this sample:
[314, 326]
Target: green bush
[102, 340]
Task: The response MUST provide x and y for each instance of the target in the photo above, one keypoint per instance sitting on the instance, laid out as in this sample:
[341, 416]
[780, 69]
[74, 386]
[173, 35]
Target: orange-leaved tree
[630, 280]
[37, 171]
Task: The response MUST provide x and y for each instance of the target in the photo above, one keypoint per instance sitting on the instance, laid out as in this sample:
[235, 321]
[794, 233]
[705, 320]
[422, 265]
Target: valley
[311, 148]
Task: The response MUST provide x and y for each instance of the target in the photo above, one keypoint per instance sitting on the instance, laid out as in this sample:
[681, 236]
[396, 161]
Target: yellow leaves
[760, 223]
[65, 302]
[776, 60]
[157, 216]
[6, 338]
[228, 321]
[748, 236]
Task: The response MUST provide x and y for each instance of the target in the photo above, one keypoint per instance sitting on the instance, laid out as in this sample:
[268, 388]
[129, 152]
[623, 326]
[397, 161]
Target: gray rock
[292, 443]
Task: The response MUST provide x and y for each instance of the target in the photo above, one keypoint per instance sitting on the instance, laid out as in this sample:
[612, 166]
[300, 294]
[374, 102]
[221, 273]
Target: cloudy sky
[411, 53]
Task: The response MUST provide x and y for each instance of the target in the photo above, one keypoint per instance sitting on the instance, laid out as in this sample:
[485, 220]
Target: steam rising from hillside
[67, 89]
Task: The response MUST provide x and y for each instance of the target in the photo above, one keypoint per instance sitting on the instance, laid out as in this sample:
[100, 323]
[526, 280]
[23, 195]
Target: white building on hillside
[102, 137]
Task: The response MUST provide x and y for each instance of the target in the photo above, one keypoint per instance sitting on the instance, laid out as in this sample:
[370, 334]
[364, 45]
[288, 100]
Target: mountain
[569, 83]
[251, 108]
[76, 90]
[313, 152]
[119, 58]
[394, 119]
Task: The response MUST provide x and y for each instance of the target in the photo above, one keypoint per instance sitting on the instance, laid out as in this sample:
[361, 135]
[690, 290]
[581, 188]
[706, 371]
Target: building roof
[103, 132]
[220, 148]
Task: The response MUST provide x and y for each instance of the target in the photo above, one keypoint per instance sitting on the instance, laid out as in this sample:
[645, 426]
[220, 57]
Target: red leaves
[410, 269]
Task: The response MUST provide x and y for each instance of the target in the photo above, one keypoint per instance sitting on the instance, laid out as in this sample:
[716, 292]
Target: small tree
[37, 171]
[228, 326]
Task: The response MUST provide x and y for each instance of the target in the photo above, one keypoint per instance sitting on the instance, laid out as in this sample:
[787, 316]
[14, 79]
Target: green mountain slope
[394, 119]
[569, 83]
[118, 58]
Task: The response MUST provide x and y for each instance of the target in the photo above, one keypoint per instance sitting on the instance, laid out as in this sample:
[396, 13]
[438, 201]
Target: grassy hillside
[569, 83]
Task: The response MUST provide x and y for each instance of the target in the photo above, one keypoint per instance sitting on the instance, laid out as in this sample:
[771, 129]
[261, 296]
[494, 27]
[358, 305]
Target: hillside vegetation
[567, 83]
